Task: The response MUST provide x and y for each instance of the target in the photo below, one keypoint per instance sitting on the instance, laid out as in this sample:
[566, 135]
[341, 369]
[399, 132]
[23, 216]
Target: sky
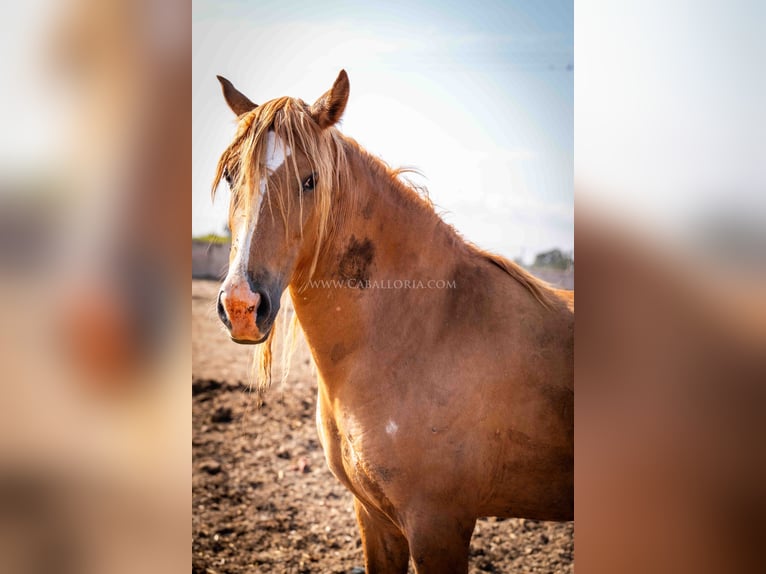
[671, 130]
[478, 97]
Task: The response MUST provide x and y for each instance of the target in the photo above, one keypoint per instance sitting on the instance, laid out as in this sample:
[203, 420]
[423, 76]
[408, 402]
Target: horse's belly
[504, 475]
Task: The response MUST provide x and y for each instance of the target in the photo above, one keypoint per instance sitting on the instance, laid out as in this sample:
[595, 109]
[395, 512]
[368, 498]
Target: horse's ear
[328, 109]
[238, 102]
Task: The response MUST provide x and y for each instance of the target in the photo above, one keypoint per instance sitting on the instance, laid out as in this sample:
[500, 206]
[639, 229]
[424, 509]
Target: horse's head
[281, 167]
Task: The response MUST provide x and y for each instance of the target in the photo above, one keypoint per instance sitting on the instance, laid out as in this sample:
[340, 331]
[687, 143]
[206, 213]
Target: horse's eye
[227, 176]
[308, 183]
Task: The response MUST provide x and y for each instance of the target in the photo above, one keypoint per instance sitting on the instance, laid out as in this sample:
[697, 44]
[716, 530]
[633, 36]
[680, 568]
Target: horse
[445, 373]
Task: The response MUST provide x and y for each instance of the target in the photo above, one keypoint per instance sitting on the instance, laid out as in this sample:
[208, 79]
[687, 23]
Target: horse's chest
[351, 457]
[342, 454]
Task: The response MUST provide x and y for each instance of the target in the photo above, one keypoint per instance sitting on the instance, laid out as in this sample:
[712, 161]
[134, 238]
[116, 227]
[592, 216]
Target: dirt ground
[263, 498]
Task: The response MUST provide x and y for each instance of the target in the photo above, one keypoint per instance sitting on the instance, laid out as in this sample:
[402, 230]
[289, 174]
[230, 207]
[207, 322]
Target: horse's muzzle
[246, 314]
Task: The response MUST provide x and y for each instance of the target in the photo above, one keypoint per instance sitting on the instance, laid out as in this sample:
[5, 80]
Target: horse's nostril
[264, 308]
[222, 312]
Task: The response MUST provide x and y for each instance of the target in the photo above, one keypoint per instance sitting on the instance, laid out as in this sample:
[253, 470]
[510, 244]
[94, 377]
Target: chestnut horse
[445, 372]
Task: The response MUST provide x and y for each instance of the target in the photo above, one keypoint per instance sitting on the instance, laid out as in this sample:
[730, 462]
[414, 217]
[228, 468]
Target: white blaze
[276, 154]
[392, 427]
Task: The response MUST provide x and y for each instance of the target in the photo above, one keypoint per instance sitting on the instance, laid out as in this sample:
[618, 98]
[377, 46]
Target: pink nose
[238, 309]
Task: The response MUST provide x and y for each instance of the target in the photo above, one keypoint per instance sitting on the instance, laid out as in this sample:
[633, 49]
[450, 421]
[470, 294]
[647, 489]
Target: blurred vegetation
[554, 259]
[212, 238]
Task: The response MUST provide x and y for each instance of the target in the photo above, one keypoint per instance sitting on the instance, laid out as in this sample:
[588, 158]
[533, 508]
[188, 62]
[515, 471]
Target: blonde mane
[242, 163]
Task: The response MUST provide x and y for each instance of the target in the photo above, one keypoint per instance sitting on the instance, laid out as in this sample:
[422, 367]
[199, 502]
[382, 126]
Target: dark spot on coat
[471, 297]
[356, 261]
[384, 474]
[367, 211]
[545, 339]
[338, 352]
[519, 438]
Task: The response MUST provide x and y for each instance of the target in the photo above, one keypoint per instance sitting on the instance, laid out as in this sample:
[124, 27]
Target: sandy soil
[263, 498]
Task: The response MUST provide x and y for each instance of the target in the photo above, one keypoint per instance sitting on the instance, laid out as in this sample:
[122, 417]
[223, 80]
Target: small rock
[210, 466]
[221, 415]
[356, 570]
[200, 386]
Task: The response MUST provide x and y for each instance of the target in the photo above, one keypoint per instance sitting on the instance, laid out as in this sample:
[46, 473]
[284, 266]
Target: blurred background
[670, 138]
[94, 336]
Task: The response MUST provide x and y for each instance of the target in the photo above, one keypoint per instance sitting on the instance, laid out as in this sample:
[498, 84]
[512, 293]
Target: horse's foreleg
[440, 544]
[385, 548]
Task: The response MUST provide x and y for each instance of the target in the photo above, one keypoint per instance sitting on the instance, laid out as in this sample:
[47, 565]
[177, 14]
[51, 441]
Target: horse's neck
[358, 289]
[407, 235]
